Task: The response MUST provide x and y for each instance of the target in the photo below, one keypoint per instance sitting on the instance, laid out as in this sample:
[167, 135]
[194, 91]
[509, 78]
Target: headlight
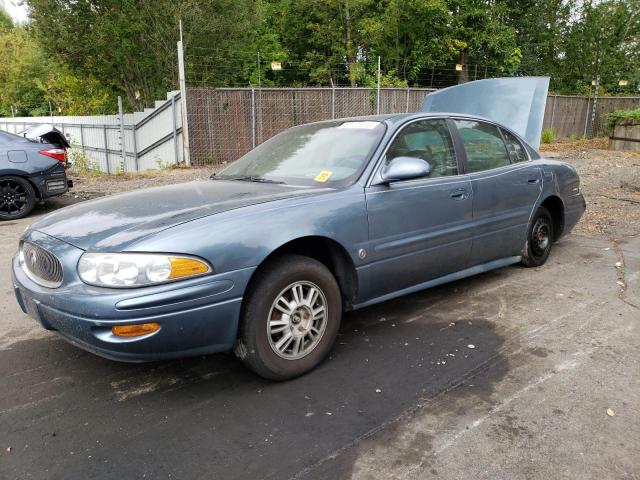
[137, 269]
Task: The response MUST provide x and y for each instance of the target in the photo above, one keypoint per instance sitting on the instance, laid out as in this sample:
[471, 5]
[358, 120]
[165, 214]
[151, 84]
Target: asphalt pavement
[516, 374]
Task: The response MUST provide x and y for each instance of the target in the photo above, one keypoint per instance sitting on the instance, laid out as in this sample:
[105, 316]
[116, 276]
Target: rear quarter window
[514, 148]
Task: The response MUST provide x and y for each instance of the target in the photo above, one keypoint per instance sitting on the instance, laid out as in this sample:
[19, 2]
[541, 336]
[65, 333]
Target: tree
[23, 64]
[29, 80]
[130, 45]
[604, 43]
[6, 22]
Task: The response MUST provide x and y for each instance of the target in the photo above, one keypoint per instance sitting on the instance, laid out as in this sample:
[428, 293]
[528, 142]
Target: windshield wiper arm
[247, 178]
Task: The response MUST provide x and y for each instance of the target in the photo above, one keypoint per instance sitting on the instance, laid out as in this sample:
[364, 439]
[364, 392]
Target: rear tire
[539, 239]
[290, 318]
[17, 197]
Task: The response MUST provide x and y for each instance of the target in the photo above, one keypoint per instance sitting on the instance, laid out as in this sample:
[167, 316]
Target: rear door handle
[459, 194]
[533, 180]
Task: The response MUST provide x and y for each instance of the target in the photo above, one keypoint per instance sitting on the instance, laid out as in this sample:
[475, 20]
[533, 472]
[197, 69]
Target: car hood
[112, 223]
[516, 102]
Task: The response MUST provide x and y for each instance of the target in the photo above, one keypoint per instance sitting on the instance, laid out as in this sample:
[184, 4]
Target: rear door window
[483, 145]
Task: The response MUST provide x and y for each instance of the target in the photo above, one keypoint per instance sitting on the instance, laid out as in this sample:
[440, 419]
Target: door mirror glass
[404, 168]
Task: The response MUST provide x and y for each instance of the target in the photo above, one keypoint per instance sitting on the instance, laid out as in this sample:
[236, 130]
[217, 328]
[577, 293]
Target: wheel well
[556, 208]
[31, 182]
[332, 255]
[35, 188]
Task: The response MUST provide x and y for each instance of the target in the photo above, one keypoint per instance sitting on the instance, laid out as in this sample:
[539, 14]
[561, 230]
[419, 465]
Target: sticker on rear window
[365, 125]
[323, 176]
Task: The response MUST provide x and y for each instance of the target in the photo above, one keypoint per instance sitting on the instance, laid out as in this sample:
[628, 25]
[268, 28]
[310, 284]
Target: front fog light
[137, 269]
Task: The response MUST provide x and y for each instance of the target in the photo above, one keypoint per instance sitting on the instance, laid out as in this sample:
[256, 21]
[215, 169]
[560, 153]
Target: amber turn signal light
[186, 267]
[135, 330]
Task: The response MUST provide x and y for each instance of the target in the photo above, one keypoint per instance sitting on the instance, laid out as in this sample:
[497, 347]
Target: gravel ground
[519, 374]
[93, 186]
[610, 183]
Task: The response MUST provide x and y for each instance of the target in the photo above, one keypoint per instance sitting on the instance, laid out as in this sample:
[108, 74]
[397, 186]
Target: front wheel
[539, 239]
[290, 317]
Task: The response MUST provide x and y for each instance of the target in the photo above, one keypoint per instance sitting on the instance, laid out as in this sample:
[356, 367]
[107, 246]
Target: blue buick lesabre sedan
[265, 257]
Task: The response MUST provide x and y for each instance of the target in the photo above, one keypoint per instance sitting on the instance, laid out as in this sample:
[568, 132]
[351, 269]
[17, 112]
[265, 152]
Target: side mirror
[404, 168]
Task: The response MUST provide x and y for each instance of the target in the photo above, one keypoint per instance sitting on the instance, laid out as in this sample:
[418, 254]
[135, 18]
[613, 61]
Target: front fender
[244, 237]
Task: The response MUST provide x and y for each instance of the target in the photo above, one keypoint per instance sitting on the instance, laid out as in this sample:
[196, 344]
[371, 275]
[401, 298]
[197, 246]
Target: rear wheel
[17, 197]
[290, 318]
[539, 239]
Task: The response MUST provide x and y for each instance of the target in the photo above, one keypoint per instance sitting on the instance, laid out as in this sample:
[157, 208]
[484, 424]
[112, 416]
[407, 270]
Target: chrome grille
[40, 265]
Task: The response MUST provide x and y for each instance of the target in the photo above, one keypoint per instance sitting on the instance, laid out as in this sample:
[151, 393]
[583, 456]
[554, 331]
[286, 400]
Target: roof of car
[8, 137]
[394, 118]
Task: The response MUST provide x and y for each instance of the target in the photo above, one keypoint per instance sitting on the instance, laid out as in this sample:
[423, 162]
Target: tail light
[59, 154]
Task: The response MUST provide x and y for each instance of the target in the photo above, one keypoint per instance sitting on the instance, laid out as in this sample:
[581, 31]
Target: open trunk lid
[43, 133]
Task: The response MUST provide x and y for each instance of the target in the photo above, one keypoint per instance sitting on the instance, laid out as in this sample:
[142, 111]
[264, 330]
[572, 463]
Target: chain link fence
[225, 123]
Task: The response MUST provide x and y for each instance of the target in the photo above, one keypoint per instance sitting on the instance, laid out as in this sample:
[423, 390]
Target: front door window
[429, 140]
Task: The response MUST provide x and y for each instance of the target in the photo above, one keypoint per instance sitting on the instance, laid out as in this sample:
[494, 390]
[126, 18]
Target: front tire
[539, 239]
[290, 318]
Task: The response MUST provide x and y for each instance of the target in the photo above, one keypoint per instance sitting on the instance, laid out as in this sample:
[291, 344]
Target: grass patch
[547, 135]
[622, 117]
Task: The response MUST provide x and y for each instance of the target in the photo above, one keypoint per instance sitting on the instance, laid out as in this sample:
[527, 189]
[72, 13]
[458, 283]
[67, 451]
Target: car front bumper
[196, 317]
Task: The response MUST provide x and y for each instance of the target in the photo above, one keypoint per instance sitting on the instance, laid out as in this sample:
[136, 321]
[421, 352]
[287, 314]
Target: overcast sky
[17, 11]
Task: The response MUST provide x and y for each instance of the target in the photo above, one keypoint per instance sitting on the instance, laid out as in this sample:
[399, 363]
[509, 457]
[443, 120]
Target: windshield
[326, 154]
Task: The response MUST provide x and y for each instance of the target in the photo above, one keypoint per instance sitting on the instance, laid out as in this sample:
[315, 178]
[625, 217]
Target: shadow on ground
[69, 414]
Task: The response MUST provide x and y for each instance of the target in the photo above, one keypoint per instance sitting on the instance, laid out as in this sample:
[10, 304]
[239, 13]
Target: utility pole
[378, 96]
[258, 70]
[333, 99]
[123, 143]
[13, 115]
[259, 98]
[183, 101]
[596, 86]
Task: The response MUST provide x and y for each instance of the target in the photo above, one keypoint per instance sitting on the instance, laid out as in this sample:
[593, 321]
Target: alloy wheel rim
[13, 198]
[540, 236]
[297, 320]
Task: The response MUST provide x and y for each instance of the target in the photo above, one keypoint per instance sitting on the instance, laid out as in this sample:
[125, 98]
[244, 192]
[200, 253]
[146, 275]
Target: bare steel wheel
[539, 239]
[290, 317]
[540, 236]
[297, 320]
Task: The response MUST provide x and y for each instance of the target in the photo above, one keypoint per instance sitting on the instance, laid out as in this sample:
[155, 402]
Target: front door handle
[459, 194]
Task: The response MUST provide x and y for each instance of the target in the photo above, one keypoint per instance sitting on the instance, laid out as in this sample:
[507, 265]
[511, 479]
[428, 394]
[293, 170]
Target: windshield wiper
[246, 178]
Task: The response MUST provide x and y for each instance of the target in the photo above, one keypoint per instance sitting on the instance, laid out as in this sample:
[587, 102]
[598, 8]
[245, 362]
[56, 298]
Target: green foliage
[622, 117]
[129, 46]
[30, 80]
[82, 165]
[547, 135]
[5, 20]
[80, 55]
[22, 66]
